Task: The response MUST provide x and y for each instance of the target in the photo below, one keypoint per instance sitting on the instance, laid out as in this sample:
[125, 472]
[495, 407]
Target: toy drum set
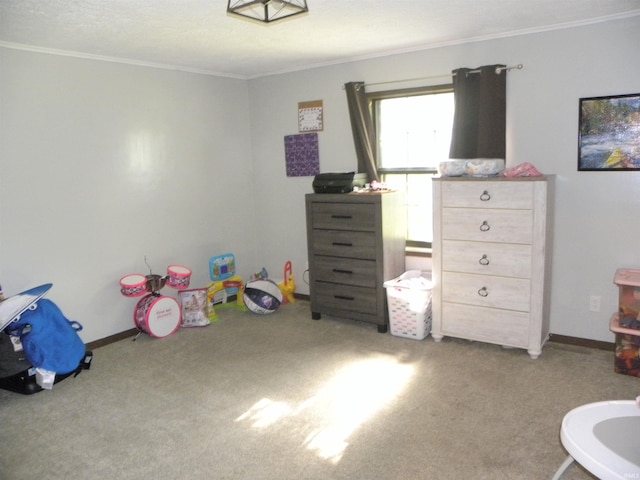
[156, 314]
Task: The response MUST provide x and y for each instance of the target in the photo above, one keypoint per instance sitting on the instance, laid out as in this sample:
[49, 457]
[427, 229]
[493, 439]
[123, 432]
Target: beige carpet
[285, 397]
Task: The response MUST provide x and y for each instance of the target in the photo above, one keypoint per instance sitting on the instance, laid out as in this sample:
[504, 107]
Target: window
[414, 134]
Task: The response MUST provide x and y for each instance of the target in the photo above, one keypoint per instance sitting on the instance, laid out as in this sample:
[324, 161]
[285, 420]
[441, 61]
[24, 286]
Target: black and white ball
[262, 296]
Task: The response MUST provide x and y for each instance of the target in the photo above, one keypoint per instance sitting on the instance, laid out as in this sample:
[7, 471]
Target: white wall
[102, 164]
[596, 225]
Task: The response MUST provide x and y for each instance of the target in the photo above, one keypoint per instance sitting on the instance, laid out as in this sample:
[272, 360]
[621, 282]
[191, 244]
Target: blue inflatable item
[50, 341]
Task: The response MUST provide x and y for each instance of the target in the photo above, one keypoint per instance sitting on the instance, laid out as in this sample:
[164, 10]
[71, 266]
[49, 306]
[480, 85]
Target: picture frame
[194, 307]
[609, 133]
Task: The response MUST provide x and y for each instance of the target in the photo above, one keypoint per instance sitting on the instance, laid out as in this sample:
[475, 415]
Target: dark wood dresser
[355, 243]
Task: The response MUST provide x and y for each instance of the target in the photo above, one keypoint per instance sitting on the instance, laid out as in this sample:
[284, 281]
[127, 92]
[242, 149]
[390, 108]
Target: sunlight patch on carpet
[265, 413]
[354, 395]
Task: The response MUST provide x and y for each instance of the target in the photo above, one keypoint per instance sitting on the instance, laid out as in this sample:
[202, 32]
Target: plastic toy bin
[409, 303]
[627, 359]
[628, 281]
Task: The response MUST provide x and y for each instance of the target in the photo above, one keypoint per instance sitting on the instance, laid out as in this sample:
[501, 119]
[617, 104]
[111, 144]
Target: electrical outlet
[594, 303]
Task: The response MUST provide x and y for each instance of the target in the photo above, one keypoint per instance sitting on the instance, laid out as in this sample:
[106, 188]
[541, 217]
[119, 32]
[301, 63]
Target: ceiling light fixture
[267, 11]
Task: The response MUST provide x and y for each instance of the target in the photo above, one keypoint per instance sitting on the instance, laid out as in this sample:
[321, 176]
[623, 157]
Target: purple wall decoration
[301, 155]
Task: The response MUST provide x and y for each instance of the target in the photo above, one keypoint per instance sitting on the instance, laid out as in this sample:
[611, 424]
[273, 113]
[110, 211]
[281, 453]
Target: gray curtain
[363, 129]
[479, 121]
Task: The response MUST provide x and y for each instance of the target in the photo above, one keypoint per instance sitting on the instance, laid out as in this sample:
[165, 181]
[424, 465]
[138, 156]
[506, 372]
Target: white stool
[604, 437]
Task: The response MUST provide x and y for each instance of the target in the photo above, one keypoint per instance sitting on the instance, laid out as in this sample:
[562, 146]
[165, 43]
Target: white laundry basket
[409, 302]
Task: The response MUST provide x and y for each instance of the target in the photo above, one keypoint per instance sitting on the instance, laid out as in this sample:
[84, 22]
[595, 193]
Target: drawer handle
[484, 260]
[483, 292]
[485, 197]
[337, 270]
[342, 297]
[342, 244]
[342, 217]
[485, 227]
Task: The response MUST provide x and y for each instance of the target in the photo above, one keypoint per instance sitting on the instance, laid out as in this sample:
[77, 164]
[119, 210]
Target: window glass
[414, 135]
[414, 131]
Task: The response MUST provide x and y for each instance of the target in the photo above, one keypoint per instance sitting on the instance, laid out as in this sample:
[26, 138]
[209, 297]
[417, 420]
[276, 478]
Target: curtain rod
[499, 70]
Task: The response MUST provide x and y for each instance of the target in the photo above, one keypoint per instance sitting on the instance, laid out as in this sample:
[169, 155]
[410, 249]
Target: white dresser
[492, 240]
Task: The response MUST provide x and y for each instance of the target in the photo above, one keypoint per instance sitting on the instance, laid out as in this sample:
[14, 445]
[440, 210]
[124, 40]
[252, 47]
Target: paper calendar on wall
[310, 117]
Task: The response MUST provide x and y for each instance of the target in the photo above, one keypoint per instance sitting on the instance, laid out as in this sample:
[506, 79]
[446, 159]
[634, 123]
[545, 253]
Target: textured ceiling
[198, 35]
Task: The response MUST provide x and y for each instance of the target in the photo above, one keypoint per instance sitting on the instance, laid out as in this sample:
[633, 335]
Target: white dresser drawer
[486, 291]
[499, 226]
[480, 194]
[486, 324]
[504, 259]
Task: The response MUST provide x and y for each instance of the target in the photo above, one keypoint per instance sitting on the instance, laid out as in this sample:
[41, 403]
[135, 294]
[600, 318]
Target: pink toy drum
[133, 285]
[179, 276]
[158, 316]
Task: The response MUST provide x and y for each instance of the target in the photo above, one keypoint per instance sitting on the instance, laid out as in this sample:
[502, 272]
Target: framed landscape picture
[609, 137]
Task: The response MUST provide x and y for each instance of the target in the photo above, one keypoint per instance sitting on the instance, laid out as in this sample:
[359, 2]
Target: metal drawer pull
[341, 297]
[337, 270]
[485, 227]
[342, 244]
[485, 197]
[484, 260]
[483, 292]
[342, 217]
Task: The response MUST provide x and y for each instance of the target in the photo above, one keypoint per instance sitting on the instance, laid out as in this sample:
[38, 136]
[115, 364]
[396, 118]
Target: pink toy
[179, 276]
[158, 316]
[133, 285]
[522, 170]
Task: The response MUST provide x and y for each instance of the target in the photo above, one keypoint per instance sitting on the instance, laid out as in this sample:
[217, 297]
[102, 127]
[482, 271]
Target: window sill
[418, 252]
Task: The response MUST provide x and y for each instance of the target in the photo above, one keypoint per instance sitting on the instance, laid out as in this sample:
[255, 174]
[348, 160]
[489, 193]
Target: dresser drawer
[510, 195]
[346, 271]
[486, 291]
[486, 324]
[341, 243]
[504, 259]
[499, 226]
[343, 216]
[348, 298]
